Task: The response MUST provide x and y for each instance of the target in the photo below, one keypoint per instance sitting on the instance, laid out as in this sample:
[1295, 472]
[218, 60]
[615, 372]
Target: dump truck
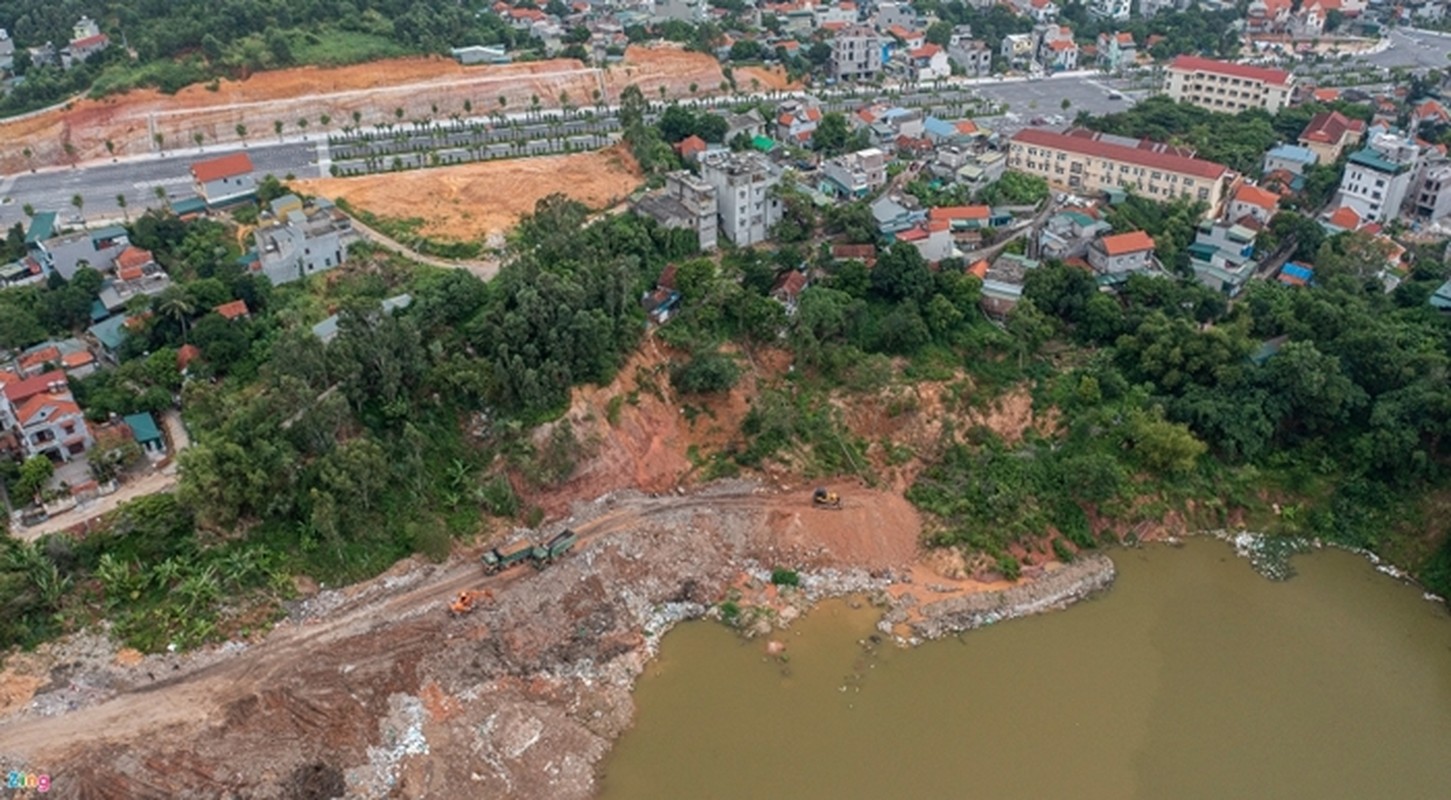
[825, 498]
[546, 554]
[468, 600]
[496, 560]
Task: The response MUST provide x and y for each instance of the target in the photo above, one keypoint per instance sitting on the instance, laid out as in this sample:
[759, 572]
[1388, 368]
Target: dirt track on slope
[313, 692]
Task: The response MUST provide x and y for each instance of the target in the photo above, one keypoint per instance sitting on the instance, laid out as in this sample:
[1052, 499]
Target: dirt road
[320, 689]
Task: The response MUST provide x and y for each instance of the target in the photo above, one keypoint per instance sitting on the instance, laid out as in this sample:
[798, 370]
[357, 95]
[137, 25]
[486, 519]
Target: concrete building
[45, 418]
[1226, 86]
[7, 51]
[1254, 203]
[226, 180]
[86, 41]
[686, 202]
[1119, 255]
[892, 12]
[750, 125]
[856, 175]
[1433, 191]
[745, 185]
[1116, 10]
[928, 63]
[1002, 283]
[1085, 161]
[1378, 177]
[1019, 49]
[972, 56]
[96, 249]
[303, 243]
[1117, 51]
[796, 120]
[1291, 158]
[1222, 256]
[1330, 133]
[856, 54]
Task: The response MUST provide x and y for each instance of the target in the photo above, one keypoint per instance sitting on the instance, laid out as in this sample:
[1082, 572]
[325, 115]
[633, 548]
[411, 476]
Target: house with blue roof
[1289, 157]
[1293, 274]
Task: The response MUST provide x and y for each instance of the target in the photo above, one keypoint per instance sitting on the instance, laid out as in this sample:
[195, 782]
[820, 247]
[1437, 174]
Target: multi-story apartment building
[1378, 177]
[856, 54]
[745, 194]
[686, 202]
[972, 55]
[1433, 191]
[856, 175]
[1226, 86]
[1086, 161]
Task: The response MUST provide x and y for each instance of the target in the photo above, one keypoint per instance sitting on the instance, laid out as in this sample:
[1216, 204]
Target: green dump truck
[496, 560]
[546, 554]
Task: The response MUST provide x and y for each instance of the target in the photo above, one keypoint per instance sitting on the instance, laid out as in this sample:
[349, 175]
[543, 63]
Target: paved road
[99, 183]
[1414, 48]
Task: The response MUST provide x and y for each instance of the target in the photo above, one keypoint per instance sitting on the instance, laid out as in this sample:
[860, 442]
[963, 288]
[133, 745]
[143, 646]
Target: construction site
[380, 92]
[506, 671]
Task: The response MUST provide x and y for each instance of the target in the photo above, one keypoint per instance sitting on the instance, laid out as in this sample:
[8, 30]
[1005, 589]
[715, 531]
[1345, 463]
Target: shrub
[706, 372]
[1010, 567]
[785, 577]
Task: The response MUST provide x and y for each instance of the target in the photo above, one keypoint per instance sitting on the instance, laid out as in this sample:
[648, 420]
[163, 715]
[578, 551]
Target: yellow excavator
[825, 498]
[467, 601]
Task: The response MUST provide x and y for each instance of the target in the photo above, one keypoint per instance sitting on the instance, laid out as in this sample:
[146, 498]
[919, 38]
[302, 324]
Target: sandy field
[475, 201]
[422, 87]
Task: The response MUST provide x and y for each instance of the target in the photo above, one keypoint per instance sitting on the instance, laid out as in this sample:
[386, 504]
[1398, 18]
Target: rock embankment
[1054, 590]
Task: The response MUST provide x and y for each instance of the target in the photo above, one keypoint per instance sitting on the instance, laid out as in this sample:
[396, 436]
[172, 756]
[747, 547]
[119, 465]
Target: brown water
[1193, 678]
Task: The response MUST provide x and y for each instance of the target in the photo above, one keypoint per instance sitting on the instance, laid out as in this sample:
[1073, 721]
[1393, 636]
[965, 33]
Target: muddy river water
[1193, 678]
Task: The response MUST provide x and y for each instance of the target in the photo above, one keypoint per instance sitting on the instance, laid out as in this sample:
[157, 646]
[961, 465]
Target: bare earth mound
[475, 201]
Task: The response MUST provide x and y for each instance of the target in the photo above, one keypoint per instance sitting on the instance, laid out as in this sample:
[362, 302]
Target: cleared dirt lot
[476, 201]
[421, 87]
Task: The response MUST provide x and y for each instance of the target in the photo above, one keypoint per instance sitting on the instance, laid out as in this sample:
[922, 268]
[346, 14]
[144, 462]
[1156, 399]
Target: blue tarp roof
[143, 427]
[939, 127]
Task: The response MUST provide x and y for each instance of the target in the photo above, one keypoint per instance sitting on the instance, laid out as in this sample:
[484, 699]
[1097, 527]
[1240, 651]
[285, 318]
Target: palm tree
[177, 305]
[161, 195]
[111, 148]
[277, 127]
[325, 119]
[357, 117]
[121, 201]
[80, 203]
[302, 126]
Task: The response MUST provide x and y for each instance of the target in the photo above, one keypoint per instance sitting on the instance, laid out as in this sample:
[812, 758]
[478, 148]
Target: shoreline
[492, 702]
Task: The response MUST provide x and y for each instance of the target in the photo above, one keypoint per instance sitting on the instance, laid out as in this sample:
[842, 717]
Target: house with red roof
[928, 63]
[1122, 253]
[45, 417]
[1227, 86]
[690, 147]
[1253, 202]
[1329, 133]
[1341, 220]
[796, 120]
[910, 39]
[224, 181]
[237, 309]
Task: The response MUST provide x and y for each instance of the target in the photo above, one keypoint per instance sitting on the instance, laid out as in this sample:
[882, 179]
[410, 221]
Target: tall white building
[1117, 10]
[745, 194]
[1378, 177]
